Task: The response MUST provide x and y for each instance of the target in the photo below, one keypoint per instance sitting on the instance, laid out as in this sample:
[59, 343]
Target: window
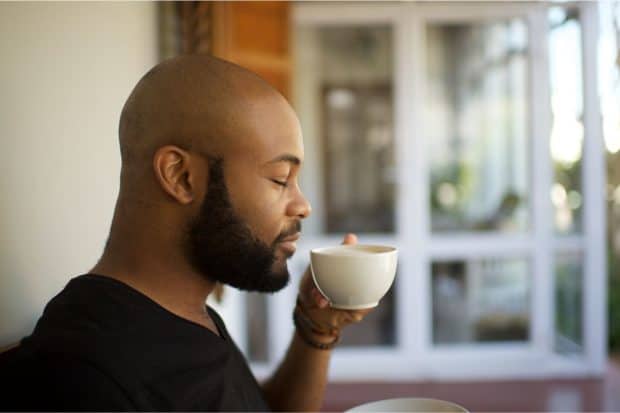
[465, 135]
[347, 73]
[481, 301]
[568, 303]
[567, 131]
[477, 78]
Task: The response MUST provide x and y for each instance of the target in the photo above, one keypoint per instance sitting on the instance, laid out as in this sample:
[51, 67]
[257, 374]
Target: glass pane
[568, 303]
[256, 316]
[567, 132]
[481, 301]
[350, 83]
[609, 77]
[475, 109]
[377, 329]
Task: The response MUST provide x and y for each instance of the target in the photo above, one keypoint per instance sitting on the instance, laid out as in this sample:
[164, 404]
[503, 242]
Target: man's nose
[299, 206]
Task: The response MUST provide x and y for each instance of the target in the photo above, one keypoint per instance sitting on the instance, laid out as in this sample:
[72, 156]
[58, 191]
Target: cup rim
[386, 249]
[367, 404]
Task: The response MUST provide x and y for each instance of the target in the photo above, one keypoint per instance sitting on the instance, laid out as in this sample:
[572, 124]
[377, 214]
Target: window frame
[419, 247]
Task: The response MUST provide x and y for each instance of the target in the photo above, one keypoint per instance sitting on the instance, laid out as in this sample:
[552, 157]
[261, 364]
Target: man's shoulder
[94, 307]
[92, 299]
[91, 321]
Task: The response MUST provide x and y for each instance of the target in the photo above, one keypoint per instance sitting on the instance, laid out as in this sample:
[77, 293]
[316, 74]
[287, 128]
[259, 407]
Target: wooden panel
[255, 35]
[261, 27]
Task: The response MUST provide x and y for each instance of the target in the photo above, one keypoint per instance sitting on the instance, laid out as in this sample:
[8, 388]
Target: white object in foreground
[410, 404]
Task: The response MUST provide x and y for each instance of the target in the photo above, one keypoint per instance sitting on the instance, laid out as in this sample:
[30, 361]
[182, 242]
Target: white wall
[65, 71]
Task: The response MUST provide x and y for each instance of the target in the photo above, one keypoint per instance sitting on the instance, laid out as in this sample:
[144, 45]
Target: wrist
[311, 332]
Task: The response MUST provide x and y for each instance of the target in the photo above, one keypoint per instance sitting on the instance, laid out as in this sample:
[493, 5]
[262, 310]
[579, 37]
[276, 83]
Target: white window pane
[567, 132]
[481, 301]
[475, 109]
[346, 106]
[568, 303]
[256, 316]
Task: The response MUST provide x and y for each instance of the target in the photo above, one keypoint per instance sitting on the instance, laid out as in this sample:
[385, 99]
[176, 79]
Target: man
[209, 193]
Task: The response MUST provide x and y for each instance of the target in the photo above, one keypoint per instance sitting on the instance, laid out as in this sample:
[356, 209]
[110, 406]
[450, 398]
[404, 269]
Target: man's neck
[143, 251]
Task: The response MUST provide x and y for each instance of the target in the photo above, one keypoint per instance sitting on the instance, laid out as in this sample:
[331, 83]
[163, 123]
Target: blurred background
[483, 139]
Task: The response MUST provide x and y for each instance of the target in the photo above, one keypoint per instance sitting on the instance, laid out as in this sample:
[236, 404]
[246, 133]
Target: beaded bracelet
[300, 322]
[305, 325]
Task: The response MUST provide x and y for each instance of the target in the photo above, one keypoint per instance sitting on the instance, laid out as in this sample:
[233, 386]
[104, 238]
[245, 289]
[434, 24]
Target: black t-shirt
[100, 345]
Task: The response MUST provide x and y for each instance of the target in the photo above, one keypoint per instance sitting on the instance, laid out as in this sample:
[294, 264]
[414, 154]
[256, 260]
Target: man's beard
[221, 245]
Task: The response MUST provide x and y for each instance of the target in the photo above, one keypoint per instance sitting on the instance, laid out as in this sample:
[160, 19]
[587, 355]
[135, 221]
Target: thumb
[350, 239]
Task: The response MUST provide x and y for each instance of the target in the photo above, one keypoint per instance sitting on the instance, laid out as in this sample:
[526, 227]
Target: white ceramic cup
[353, 277]
[410, 404]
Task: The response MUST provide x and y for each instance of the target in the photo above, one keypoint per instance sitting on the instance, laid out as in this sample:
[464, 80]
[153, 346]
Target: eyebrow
[286, 158]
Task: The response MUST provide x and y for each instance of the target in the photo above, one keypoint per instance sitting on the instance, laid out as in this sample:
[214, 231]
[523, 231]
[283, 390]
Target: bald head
[196, 102]
[211, 156]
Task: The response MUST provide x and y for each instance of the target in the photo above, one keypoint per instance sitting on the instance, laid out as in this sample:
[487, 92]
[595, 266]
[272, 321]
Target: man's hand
[299, 382]
[317, 307]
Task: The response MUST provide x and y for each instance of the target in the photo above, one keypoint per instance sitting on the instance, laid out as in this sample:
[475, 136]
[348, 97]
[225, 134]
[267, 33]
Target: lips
[291, 238]
[289, 244]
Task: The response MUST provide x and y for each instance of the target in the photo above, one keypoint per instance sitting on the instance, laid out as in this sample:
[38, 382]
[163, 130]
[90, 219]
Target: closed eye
[281, 183]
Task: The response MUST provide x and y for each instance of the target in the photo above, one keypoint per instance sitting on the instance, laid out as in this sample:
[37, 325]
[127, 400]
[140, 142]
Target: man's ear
[171, 165]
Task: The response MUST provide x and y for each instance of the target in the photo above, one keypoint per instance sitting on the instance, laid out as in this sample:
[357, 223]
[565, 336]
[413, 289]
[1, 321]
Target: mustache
[294, 229]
